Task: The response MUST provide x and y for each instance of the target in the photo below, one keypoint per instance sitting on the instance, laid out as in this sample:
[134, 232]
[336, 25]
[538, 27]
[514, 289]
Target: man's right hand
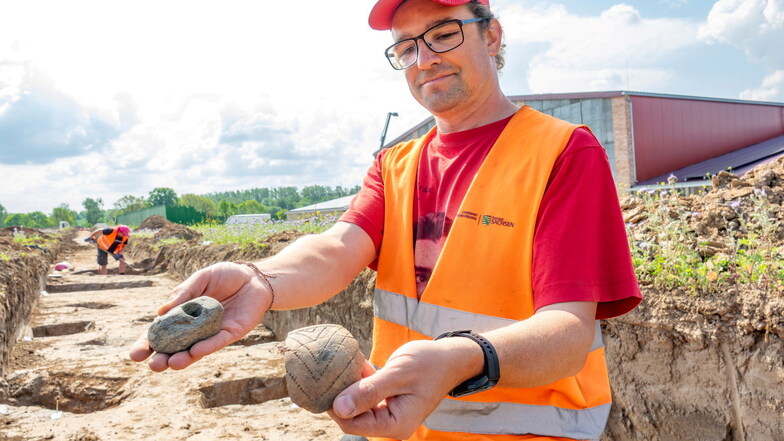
[89, 240]
[244, 296]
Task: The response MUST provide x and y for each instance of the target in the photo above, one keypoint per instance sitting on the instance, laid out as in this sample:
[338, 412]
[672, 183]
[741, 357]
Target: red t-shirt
[580, 250]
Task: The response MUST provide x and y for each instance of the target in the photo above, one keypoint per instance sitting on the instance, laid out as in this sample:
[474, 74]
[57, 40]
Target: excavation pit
[257, 336]
[74, 287]
[74, 393]
[145, 319]
[100, 341]
[92, 305]
[62, 329]
[255, 390]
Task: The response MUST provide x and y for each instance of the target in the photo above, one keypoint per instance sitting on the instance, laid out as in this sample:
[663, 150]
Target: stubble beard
[440, 101]
[445, 100]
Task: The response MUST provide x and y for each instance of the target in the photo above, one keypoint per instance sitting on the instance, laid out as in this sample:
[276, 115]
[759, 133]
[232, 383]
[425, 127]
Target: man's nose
[426, 57]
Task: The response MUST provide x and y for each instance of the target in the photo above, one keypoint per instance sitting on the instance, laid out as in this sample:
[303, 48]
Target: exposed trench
[681, 368]
[246, 391]
[62, 329]
[75, 287]
[79, 392]
[65, 391]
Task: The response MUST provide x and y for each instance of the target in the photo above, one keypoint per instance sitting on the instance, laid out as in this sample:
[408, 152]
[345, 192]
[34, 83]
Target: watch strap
[492, 369]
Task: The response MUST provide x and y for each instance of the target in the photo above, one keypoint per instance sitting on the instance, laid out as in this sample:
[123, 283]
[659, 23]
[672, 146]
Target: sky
[105, 99]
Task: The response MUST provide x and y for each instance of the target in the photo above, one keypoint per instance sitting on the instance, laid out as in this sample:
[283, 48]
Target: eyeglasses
[441, 38]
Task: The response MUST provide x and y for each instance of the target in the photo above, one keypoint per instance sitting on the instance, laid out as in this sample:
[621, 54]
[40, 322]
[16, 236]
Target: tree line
[215, 206]
[91, 214]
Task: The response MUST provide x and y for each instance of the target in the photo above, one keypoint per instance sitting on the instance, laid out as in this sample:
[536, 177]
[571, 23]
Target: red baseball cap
[381, 16]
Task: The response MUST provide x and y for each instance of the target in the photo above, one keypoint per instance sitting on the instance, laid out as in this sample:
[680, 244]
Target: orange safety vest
[482, 281]
[105, 242]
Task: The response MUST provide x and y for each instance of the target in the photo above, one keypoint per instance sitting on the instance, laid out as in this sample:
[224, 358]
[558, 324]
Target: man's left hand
[393, 401]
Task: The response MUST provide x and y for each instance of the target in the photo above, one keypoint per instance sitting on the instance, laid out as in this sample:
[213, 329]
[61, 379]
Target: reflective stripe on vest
[490, 418]
[518, 419]
[433, 320]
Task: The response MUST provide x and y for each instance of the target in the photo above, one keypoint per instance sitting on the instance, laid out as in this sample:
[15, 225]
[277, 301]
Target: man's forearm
[316, 267]
[551, 345]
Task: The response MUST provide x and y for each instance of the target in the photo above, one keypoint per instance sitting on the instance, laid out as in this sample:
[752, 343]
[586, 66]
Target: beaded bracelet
[264, 276]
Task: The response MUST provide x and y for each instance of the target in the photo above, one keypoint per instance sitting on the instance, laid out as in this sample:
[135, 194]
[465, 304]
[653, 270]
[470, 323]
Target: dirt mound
[7, 243]
[721, 214]
[154, 222]
[177, 231]
[281, 240]
[10, 231]
[731, 234]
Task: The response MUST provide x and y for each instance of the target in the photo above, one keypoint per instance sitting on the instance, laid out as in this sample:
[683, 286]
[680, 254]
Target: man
[535, 253]
[110, 241]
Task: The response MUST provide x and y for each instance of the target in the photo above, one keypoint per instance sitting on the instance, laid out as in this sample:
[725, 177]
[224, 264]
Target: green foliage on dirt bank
[34, 240]
[730, 237]
[244, 234]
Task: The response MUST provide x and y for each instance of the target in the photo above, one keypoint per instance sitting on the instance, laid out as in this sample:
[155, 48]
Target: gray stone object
[185, 325]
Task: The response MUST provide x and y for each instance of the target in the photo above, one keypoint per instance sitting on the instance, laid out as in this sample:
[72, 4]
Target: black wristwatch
[492, 372]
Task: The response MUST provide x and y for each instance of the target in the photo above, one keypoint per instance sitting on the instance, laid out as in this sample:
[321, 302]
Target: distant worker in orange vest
[110, 241]
[499, 245]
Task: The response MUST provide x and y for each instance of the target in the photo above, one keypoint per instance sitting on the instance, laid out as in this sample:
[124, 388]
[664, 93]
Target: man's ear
[495, 36]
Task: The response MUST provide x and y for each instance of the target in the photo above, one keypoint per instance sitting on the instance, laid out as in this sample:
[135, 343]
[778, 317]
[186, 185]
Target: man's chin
[437, 104]
[437, 100]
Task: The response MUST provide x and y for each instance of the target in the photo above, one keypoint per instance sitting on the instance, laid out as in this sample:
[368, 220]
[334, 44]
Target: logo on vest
[486, 219]
[468, 215]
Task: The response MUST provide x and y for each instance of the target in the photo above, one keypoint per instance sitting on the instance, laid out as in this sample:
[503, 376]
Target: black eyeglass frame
[422, 37]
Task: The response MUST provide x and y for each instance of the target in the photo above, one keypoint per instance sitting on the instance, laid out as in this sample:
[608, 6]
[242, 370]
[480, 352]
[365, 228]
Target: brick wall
[625, 176]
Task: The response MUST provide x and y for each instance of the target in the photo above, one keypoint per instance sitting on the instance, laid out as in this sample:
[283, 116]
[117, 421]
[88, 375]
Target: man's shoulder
[403, 150]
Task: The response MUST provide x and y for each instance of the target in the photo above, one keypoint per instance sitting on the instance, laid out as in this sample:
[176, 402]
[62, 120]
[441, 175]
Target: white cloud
[756, 26]
[771, 89]
[209, 96]
[546, 77]
[599, 52]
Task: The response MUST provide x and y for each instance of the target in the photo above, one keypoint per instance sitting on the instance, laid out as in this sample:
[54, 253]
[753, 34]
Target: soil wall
[23, 271]
[691, 368]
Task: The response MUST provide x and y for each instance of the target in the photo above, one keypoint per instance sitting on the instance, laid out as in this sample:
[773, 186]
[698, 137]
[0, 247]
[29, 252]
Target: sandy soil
[83, 387]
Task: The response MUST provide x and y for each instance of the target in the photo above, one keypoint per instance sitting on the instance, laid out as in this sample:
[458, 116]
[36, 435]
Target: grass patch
[23, 239]
[168, 241]
[248, 234]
